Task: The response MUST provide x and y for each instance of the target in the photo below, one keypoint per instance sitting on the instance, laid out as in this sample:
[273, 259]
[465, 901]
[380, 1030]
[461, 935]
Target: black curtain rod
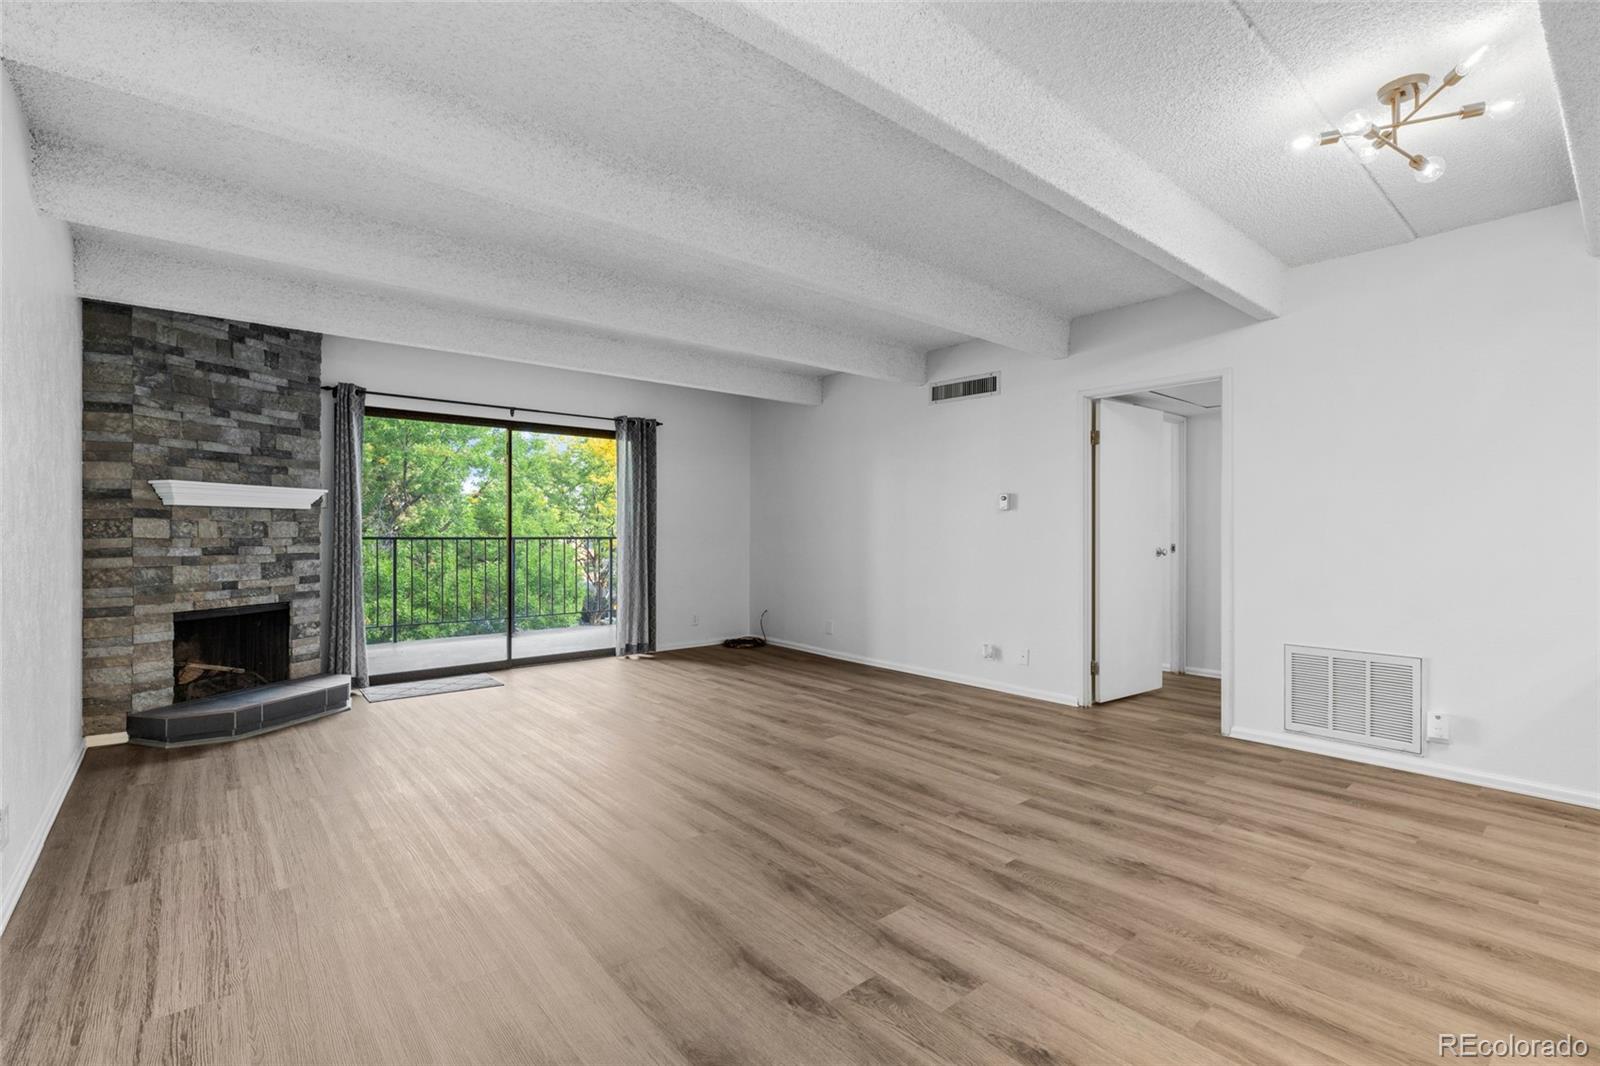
[492, 406]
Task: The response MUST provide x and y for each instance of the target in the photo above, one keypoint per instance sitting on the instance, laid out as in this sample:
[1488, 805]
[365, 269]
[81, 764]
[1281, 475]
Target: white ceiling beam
[1572, 37]
[121, 270]
[914, 66]
[94, 188]
[327, 102]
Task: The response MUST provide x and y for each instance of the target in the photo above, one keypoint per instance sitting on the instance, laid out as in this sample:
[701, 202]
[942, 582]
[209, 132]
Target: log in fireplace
[228, 648]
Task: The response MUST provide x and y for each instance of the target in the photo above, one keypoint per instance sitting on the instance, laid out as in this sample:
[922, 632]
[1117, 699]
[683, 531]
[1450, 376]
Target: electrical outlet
[989, 651]
[694, 619]
[1022, 660]
[827, 627]
[5, 825]
[1438, 727]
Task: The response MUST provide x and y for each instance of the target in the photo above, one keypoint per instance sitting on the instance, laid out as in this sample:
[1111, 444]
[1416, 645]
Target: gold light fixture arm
[1414, 160]
[1475, 110]
[1444, 83]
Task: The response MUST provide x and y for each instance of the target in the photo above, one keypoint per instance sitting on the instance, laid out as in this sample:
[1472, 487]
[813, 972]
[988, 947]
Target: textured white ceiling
[634, 190]
[1195, 400]
[959, 95]
[1211, 92]
[1572, 37]
[1494, 168]
[652, 81]
[181, 198]
[116, 267]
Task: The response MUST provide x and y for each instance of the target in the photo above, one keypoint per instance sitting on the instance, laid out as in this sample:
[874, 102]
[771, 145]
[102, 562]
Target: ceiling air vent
[1354, 696]
[965, 388]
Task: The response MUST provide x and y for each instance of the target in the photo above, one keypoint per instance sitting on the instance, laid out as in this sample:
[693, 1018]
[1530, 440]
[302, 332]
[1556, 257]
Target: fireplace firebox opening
[228, 648]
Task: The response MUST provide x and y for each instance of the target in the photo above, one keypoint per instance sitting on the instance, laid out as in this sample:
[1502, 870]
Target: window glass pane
[435, 557]
[564, 497]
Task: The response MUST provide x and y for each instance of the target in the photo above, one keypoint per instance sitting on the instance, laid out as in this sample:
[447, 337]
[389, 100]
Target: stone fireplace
[170, 395]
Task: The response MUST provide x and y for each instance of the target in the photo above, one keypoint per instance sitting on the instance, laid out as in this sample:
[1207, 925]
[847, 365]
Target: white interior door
[1131, 557]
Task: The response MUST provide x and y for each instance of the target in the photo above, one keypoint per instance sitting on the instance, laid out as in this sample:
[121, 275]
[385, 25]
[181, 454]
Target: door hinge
[1094, 669]
[1094, 436]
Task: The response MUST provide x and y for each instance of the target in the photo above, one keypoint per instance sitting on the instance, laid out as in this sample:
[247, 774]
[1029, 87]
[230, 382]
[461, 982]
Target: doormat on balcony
[404, 690]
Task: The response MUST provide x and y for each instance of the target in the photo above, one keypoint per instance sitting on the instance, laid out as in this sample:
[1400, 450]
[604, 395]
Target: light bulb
[1431, 171]
[1509, 107]
[1302, 142]
[1355, 122]
[1465, 66]
[1365, 150]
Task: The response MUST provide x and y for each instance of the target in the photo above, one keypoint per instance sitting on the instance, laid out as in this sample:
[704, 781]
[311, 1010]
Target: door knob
[1161, 553]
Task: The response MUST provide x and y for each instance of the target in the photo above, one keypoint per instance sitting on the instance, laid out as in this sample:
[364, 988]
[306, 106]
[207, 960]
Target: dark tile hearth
[234, 715]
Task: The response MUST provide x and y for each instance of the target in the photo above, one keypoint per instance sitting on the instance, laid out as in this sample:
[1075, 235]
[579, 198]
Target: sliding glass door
[485, 542]
[564, 516]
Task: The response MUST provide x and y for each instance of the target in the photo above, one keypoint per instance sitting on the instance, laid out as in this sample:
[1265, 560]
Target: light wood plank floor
[767, 857]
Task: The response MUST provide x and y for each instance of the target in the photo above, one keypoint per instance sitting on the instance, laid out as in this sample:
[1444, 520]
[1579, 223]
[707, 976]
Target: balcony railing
[418, 588]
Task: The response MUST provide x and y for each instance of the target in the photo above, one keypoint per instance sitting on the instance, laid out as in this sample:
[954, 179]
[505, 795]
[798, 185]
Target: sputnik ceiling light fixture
[1405, 102]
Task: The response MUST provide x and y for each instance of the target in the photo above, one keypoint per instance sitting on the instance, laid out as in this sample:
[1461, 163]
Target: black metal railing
[416, 588]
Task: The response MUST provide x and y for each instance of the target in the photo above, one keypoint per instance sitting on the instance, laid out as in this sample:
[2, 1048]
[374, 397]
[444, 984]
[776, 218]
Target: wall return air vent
[1354, 696]
[964, 388]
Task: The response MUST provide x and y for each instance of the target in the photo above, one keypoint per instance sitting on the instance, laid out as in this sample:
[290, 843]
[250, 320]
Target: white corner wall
[1428, 488]
[41, 344]
[876, 515]
[703, 463]
[1203, 528]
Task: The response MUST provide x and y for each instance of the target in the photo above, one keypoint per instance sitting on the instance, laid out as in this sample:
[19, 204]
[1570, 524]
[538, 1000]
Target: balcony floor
[488, 650]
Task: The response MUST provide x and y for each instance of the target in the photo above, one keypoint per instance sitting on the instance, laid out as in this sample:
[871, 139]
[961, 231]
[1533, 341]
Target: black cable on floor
[750, 642]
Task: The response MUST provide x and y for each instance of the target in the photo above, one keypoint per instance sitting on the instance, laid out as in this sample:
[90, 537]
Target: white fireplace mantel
[221, 494]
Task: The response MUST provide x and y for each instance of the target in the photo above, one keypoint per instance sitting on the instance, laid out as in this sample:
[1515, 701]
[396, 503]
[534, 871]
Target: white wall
[41, 373]
[703, 463]
[1428, 488]
[1203, 544]
[877, 512]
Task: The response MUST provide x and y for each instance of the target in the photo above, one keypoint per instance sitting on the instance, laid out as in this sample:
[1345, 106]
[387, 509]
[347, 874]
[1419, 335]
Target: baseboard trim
[1415, 765]
[685, 645]
[1195, 671]
[104, 740]
[937, 675]
[30, 855]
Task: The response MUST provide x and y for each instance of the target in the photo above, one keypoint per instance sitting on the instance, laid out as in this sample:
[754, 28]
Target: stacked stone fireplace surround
[170, 395]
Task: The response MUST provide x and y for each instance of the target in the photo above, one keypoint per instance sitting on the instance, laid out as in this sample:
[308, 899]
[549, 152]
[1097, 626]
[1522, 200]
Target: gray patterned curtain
[346, 644]
[636, 536]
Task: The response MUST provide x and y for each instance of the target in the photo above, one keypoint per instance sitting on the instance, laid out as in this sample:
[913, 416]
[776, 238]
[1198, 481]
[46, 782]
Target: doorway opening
[1158, 535]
